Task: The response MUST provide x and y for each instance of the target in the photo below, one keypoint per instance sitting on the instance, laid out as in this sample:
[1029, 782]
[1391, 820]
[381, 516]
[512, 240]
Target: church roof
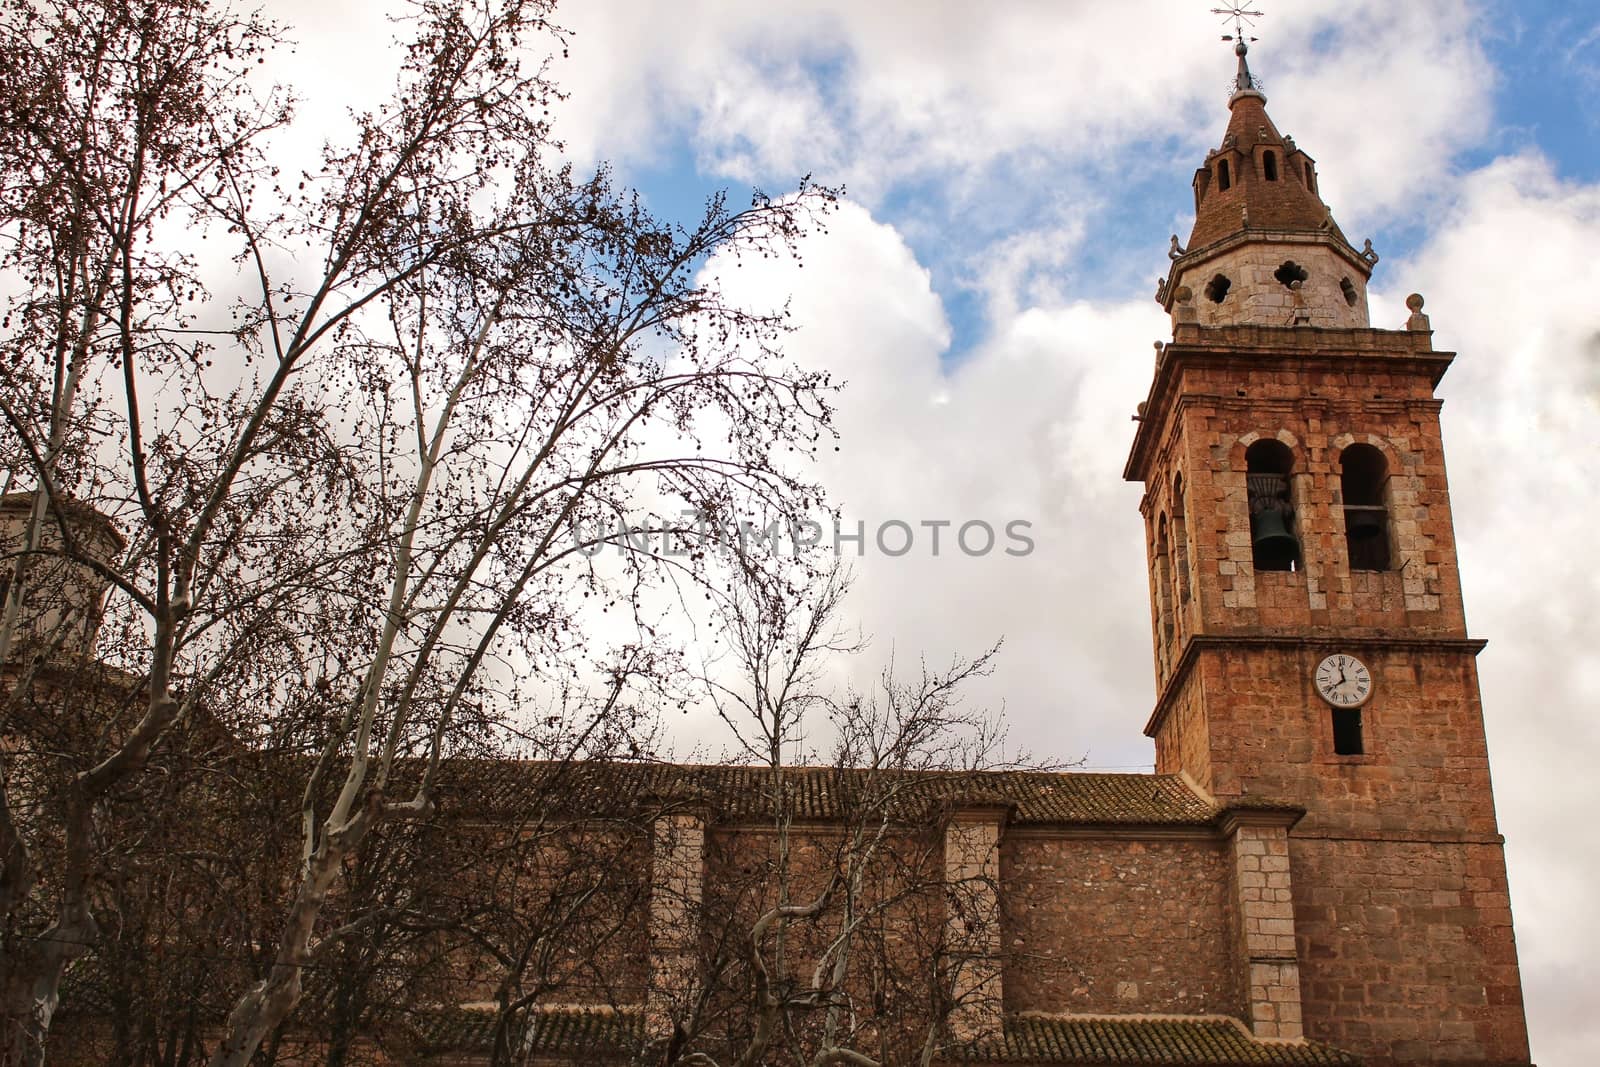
[1284, 199]
[1150, 1040]
[492, 788]
[565, 1033]
[1147, 1041]
[1251, 201]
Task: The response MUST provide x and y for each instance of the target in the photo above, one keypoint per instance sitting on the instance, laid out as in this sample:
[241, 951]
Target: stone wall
[1332, 294]
[1118, 925]
[1406, 950]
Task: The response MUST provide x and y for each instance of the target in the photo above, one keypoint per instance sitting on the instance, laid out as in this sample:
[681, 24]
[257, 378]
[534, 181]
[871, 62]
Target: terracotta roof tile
[588, 1036]
[1201, 1042]
[574, 1032]
[1284, 204]
[501, 787]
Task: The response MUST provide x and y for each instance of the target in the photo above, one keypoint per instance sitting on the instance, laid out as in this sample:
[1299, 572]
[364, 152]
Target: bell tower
[1310, 643]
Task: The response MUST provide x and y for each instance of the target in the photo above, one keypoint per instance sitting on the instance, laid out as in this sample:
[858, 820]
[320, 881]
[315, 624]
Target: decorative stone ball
[1414, 302]
[1183, 294]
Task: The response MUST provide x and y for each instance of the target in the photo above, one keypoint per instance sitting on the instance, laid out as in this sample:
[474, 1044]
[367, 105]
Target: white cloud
[1033, 427]
[917, 87]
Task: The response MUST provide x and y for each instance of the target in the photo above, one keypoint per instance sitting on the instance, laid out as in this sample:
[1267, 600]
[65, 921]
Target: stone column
[1264, 900]
[972, 920]
[677, 879]
[62, 597]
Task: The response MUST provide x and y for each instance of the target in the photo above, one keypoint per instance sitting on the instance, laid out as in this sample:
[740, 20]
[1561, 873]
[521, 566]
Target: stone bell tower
[1310, 643]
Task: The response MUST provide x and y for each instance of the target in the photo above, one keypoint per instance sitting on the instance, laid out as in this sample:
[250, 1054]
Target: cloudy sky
[1013, 177]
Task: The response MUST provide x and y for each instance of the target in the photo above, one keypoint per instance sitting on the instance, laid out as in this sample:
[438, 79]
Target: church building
[1312, 875]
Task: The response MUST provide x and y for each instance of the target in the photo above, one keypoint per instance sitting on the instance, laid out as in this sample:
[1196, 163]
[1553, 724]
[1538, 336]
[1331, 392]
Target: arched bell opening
[1180, 552]
[1363, 486]
[1273, 544]
[1164, 606]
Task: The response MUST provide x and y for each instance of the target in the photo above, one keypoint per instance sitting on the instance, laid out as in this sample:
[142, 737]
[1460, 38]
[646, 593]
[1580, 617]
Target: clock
[1343, 681]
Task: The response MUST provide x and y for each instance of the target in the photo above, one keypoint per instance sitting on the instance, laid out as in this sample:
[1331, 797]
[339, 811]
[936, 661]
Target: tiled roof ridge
[1150, 1039]
[819, 791]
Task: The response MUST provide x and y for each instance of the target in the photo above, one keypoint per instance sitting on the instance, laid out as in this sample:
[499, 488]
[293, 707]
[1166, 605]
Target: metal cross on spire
[1242, 18]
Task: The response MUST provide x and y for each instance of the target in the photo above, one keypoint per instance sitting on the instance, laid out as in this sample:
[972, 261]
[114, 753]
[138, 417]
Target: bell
[1275, 547]
[1363, 523]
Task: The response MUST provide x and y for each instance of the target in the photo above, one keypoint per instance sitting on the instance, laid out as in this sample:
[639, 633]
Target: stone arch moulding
[1242, 445]
[1174, 495]
[1391, 455]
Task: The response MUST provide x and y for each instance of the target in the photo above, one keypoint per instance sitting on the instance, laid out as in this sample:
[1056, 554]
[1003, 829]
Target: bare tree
[342, 502]
[834, 933]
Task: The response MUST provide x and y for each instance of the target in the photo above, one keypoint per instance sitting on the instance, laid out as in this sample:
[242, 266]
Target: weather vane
[1241, 16]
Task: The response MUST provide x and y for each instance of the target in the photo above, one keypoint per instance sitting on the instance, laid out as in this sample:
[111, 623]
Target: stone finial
[1417, 321]
[1161, 353]
[1185, 311]
[1369, 255]
[1176, 249]
[1161, 290]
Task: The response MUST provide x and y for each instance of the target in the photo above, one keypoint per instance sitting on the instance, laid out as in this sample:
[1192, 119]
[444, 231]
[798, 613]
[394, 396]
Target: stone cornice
[1256, 347]
[1331, 640]
[1196, 257]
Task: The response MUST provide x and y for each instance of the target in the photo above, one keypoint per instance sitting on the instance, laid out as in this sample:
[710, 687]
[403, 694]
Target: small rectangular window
[1347, 732]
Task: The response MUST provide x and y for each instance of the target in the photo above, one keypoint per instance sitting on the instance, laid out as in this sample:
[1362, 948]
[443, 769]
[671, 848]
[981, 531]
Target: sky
[986, 289]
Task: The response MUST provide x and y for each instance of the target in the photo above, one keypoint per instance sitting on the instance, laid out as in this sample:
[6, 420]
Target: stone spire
[1264, 249]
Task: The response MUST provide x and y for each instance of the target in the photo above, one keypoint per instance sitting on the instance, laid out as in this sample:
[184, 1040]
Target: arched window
[1268, 464]
[1363, 485]
[1223, 178]
[1269, 165]
[1163, 596]
[1180, 551]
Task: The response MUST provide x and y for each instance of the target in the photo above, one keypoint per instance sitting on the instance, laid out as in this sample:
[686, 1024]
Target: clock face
[1343, 681]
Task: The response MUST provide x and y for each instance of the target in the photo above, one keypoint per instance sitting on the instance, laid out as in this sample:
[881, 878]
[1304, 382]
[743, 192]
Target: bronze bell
[1275, 547]
[1362, 523]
